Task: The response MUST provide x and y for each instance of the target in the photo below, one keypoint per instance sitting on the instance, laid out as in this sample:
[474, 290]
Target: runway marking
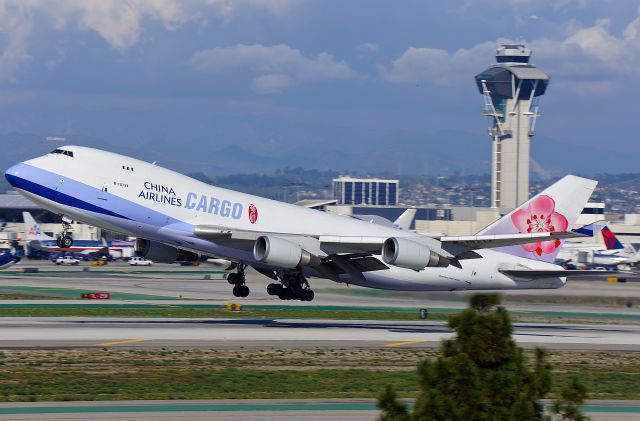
[404, 343]
[128, 341]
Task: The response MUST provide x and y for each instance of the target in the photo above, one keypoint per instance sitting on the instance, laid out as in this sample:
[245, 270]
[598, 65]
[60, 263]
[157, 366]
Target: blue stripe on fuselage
[80, 196]
[57, 196]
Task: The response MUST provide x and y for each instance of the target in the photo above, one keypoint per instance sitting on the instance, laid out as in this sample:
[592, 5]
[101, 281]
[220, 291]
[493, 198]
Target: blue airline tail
[611, 242]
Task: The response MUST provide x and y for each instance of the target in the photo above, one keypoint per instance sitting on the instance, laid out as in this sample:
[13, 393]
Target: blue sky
[368, 85]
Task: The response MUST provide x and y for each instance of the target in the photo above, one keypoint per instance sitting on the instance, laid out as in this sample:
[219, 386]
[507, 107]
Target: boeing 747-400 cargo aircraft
[177, 218]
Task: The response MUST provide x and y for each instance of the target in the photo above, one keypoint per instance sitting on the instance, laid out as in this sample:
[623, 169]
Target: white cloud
[593, 51]
[439, 66]
[593, 54]
[369, 47]
[16, 28]
[275, 7]
[119, 23]
[271, 83]
[587, 87]
[278, 65]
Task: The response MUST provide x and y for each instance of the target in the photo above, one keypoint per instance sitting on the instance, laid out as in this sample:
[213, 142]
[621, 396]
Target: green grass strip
[244, 407]
[190, 408]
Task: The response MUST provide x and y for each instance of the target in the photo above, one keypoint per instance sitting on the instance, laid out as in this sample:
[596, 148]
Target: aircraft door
[103, 191]
[59, 188]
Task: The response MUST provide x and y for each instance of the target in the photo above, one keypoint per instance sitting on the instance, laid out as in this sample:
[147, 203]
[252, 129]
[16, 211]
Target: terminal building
[365, 191]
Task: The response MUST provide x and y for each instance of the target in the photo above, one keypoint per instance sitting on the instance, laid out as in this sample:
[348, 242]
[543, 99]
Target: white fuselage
[130, 196]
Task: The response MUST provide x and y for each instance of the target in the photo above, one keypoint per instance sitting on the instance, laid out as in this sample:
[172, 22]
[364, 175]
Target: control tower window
[512, 59]
[62, 152]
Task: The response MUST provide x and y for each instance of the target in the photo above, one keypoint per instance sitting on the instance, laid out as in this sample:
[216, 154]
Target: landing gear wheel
[64, 242]
[67, 241]
[286, 294]
[232, 278]
[241, 291]
[274, 289]
[238, 279]
[294, 287]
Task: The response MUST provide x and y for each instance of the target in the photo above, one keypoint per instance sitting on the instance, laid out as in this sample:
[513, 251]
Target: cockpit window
[63, 152]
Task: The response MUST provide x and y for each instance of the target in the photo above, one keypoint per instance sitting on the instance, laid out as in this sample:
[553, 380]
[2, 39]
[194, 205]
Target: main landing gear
[238, 280]
[65, 241]
[293, 286]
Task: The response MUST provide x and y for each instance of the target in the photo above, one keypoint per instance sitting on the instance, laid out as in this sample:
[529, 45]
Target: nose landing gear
[65, 241]
[238, 280]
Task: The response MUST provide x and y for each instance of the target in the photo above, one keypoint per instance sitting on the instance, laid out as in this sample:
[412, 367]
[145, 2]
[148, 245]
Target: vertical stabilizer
[557, 208]
[32, 230]
[611, 242]
[405, 220]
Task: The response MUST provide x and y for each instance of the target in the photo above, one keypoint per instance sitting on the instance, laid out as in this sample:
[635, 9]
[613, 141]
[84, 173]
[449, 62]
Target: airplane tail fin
[611, 242]
[555, 209]
[32, 229]
[405, 220]
[592, 229]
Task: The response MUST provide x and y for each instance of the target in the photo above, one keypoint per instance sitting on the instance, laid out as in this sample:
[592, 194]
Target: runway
[77, 332]
[206, 285]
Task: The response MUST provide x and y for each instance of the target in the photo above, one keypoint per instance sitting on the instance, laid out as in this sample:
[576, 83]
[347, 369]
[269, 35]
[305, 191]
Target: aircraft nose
[15, 174]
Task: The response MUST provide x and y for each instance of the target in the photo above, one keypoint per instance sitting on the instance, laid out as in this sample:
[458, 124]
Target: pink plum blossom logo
[540, 216]
[253, 213]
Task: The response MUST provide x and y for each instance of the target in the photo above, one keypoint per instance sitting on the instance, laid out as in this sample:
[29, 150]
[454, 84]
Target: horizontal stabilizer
[535, 273]
[458, 245]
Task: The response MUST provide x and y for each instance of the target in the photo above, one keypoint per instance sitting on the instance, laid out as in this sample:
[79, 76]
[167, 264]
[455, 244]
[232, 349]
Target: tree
[393, 410]
[480, 374]
[572, 396]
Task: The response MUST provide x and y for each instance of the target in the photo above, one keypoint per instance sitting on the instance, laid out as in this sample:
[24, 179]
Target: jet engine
[411, 255]
[279, 252]
[159, 252]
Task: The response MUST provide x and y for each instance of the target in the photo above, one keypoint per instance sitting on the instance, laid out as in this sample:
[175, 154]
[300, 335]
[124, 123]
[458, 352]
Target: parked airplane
[178, 218]
[612, 255]
[7, 258]
[37, 239]
[615, 247]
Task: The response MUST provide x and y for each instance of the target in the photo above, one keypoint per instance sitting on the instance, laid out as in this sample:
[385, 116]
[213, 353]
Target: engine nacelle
[159, 252]
[411, 255]
[279, 252]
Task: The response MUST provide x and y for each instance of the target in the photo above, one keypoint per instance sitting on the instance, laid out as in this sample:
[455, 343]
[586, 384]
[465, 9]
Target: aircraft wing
[374, 219]
[459, 245]
[332, 244]
[351, 255]
[535, 273]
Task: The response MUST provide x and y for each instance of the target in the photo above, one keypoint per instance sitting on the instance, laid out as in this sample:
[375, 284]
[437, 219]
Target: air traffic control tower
[511, 90]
